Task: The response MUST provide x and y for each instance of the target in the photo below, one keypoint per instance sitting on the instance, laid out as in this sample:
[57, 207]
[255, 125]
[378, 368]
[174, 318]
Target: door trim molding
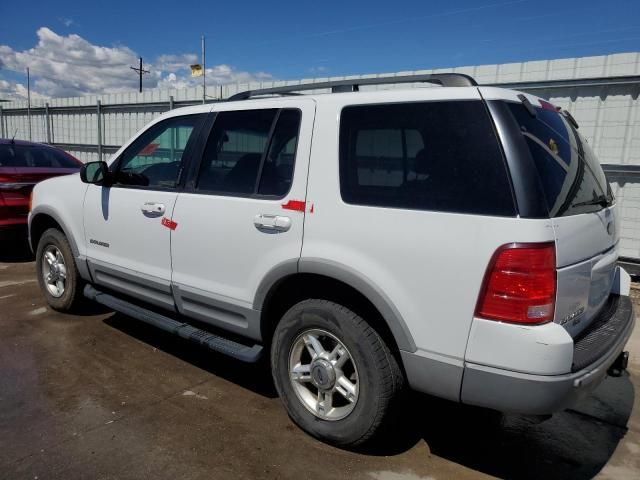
[218, 311]
[148, 288]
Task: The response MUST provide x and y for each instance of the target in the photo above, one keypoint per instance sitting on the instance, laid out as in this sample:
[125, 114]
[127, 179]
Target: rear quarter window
[570, 174]
[441, 156]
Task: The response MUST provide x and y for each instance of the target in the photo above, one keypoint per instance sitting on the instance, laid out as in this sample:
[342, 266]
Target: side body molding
[349, 276]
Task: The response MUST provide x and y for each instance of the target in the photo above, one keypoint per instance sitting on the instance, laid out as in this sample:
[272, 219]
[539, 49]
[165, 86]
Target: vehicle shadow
[572, 445]
[254, 377]
[14, 248]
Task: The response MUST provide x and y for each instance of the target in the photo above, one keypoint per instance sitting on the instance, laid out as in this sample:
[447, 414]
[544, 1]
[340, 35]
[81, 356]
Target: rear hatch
[582, 211]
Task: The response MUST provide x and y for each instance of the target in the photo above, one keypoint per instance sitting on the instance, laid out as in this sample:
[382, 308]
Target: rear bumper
[524, 393]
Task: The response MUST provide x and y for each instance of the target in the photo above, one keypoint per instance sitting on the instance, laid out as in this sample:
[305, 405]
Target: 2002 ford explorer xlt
[461, 240]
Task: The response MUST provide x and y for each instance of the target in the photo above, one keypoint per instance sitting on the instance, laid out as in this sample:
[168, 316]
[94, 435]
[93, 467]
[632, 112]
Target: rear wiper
[599, 200]
[528, 106]
[572, 120]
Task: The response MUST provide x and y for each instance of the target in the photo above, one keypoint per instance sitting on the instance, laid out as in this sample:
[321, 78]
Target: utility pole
[29, 102]
[204, 73]
[140, 71]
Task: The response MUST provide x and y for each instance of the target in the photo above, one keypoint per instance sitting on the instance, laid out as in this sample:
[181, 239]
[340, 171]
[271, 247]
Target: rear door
[242, 214]
[127, 225]
[582, 210]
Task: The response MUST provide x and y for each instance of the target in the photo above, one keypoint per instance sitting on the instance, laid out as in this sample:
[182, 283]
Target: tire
[53, 242]
[370, 367]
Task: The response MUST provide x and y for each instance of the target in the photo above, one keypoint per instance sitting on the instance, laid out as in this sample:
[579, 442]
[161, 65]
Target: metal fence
[90, 132]
[600, 92]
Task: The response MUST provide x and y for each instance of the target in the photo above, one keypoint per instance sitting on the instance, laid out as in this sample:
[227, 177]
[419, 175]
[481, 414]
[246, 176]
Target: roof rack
[353, 85]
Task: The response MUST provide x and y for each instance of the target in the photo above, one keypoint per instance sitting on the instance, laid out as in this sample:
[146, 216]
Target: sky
[75, 47]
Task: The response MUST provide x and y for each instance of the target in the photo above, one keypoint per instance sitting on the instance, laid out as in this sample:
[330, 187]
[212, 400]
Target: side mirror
[96, 173]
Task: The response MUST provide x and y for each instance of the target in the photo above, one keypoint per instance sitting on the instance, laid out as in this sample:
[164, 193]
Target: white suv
[459, 239]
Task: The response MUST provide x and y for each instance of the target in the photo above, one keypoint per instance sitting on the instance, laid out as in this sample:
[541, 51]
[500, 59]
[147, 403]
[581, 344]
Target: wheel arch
[44, 218]
[293, 281]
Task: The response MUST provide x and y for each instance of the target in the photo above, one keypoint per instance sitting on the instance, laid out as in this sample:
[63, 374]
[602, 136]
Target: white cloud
[7, 89]
[227, 74]
[174, 63]
[65, 66]
[17, 91]
[217, 75]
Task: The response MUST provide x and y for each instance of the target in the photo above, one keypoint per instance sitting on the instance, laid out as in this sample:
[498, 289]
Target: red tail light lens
[520, 284]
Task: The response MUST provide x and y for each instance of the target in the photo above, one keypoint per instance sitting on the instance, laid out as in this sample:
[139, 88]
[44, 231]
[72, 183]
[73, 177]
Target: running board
[184, 330]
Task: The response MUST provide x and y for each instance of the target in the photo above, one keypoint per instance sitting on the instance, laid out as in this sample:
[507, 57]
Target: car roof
[25, 143]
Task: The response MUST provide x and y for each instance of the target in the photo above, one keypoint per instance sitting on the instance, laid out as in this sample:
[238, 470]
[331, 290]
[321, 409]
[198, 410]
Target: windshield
[34, 156]
[570, 173]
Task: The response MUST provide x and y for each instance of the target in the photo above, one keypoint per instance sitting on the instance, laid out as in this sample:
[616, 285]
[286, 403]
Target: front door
[243, 214]
[128, 225]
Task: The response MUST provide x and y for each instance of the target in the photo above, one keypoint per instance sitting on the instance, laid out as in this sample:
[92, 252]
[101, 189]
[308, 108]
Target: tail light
[520, 284]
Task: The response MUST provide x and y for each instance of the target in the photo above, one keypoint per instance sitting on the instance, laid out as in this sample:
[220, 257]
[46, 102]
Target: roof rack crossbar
[352, 85]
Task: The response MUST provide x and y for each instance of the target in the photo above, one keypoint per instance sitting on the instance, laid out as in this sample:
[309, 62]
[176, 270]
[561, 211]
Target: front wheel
[57, 273]
[335, 375]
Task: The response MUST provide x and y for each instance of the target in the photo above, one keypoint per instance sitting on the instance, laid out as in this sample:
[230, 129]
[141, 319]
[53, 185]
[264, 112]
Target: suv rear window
[570, 174]
[441, 156]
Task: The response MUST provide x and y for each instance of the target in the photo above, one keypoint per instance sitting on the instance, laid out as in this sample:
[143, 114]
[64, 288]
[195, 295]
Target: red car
[22, 165]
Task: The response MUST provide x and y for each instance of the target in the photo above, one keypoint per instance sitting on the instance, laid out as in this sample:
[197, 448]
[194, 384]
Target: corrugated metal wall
[607, 112]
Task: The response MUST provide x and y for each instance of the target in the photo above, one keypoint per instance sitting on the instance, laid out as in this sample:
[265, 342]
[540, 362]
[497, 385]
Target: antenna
[13, 139]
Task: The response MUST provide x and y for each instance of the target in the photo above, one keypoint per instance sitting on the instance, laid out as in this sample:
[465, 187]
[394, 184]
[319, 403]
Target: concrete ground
[99, 396]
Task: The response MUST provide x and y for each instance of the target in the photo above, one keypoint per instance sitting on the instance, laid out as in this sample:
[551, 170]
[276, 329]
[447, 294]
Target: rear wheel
[335, 375]
[57, 272]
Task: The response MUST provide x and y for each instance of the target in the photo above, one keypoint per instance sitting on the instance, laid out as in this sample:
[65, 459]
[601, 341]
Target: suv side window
[250, 152]
[441, 156]
[277, 170]
[154, 160]
[385, 149]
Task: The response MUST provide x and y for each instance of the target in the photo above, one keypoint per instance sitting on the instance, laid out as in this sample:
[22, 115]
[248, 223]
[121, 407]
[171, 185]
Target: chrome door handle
[271, 223]
[153, 209]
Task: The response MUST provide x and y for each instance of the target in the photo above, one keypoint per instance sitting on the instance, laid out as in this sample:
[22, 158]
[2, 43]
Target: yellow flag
[196, 70]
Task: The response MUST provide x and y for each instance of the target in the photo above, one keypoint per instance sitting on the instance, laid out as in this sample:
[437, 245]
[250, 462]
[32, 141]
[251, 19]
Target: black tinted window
[277, 171]
[571, 176]
[34, 157]
[440, 156]
[154, 159]
[244, 145]
[234, 151]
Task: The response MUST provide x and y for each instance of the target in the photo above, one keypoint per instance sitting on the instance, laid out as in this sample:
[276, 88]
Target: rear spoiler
[547, 106]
